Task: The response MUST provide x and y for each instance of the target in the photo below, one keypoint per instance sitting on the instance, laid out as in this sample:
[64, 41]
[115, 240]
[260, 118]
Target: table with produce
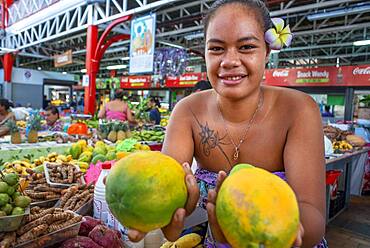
[57, 198]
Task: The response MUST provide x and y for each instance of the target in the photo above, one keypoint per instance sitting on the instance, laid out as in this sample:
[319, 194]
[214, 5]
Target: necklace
[237, 146]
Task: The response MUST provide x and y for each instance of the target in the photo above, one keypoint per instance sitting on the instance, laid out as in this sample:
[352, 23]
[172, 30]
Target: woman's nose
[231, 60]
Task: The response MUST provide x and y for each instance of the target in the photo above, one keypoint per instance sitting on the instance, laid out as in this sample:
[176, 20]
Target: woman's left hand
[215, 227]
[211, 209]
[300, 234]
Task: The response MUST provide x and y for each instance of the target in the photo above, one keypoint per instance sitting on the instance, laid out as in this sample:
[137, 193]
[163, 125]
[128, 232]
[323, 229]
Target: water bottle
[101, 210]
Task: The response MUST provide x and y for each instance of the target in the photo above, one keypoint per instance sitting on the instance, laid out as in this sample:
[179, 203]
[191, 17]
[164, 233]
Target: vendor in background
[5, 115]
[116, 109]
[154, 114]
[202, 85]
[53, 123]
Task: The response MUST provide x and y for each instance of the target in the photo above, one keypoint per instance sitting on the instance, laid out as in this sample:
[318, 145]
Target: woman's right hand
[173, 230]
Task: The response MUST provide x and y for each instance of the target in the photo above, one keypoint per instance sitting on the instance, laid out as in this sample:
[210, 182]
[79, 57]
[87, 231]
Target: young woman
[116, 109]
[154, 114]
[240, 121]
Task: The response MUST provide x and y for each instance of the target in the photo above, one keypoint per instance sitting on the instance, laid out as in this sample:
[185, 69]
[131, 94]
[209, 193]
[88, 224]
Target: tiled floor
[351, 229]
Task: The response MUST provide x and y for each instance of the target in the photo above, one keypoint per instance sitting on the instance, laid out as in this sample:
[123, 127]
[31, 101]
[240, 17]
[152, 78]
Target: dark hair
[54, 110]
[258, 5]
[202, 85]
[6, 103]
[156, 101]
[118, 94]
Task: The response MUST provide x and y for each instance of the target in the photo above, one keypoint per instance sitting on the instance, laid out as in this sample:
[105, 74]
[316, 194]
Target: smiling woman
[240, 121]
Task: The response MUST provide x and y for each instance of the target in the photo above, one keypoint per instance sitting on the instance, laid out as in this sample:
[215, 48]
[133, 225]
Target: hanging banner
[322, 76]
[63, 59]
[142, 44]
[131, 82]
[356, 75]
[186, 80]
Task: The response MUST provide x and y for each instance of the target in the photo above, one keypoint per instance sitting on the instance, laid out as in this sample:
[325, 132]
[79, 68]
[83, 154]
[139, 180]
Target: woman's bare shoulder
[196, 102]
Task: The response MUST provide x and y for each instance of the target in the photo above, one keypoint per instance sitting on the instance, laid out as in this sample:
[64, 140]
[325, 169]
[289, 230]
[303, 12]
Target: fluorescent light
[125, 58]
[115, 67]
[171, 44]
[39, 68]
[354, 9]
[275, 51]
[83, 70]
[64, 72]
[194, 36]
[361, 43]
[7, 49]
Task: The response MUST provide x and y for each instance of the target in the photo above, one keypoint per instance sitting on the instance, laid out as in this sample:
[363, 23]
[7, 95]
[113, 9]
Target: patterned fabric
[58, 126]
[206, 181]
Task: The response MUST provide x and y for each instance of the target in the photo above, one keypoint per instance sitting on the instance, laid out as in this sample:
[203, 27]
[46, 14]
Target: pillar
[91, 67]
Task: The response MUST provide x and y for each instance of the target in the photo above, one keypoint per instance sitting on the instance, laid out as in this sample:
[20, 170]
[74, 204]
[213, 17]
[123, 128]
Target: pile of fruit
[188, 240]
[149, 135]
[12, 202]
[335, 134]
[342, 146]
[18, 166]
[114, 131]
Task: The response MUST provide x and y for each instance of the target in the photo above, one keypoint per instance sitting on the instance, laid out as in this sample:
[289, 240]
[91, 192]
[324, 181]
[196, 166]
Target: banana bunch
[82, 165]
[191, 240]
[21, 124]
[18, 166]
[342, 145]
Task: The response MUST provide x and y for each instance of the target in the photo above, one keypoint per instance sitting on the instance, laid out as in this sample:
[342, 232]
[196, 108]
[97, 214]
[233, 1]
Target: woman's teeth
[235, 78]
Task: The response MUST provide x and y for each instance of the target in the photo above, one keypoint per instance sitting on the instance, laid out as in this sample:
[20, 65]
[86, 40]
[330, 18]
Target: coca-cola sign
[361, 71]
[356, 75]
[280, 73]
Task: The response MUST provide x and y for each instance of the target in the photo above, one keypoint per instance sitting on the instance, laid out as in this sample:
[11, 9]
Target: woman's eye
[247, 47]
[215, 49]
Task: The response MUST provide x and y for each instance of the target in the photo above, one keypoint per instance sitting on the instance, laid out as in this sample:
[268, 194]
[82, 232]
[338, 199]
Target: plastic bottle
[101, 210]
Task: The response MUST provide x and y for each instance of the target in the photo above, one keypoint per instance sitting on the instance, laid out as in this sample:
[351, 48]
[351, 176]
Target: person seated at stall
[154, 114]
[116, 109]
[5, 116]
[327, 112]
[53, 123]
[202, 85]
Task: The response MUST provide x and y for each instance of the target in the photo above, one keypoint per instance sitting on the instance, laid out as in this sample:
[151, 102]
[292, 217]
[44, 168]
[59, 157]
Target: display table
[10, 152]
[352, 166]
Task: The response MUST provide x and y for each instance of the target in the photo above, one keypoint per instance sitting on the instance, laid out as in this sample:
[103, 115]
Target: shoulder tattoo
[210, 139]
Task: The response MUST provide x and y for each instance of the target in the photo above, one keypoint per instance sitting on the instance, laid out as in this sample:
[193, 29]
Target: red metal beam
[8, 66]
[90, 91]
[113, 39]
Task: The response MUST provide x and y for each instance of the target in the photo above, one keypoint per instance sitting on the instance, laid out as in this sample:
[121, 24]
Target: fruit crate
[11, 223]
[337, 204]
[53, 238]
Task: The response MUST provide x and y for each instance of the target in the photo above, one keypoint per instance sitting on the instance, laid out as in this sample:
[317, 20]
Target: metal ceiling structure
[324, 30]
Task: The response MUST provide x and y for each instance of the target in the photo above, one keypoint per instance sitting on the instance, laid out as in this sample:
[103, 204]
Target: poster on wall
[142, 44]
[356, 75]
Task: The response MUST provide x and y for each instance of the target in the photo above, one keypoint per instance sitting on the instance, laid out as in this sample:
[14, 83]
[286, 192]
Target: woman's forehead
[230, 21]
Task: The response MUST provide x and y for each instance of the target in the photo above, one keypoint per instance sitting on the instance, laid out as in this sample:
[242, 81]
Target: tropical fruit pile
[256, 208]
[149, 135]
[189, 240]
[12, 202]
[114, 131]
[144, 189]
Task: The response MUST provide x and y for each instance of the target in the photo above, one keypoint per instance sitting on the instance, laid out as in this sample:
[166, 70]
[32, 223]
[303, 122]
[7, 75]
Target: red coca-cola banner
[185, 80]
[323, 76]
[130, 82]
[356, 75]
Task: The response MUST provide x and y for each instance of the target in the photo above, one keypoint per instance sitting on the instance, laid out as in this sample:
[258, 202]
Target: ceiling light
[83, 70]
[361, 43]
[125, 58]
[194, 36]
[39, 68]
[275, 51]
[171, 44]
[64, 72]
[115, 67]
[360, 8]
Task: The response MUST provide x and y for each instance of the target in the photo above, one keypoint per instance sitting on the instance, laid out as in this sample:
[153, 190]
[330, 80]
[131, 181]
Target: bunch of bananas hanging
[191, 240]
[342, 145]
[18, 167]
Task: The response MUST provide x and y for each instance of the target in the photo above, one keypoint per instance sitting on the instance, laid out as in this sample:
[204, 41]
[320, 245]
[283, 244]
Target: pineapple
[35, 125]
[112, 136]
[15, 137]
[121, 134]
[127, 130]
[103, 131]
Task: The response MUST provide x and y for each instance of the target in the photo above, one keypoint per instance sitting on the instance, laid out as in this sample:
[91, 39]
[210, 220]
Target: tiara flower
[278, 36]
